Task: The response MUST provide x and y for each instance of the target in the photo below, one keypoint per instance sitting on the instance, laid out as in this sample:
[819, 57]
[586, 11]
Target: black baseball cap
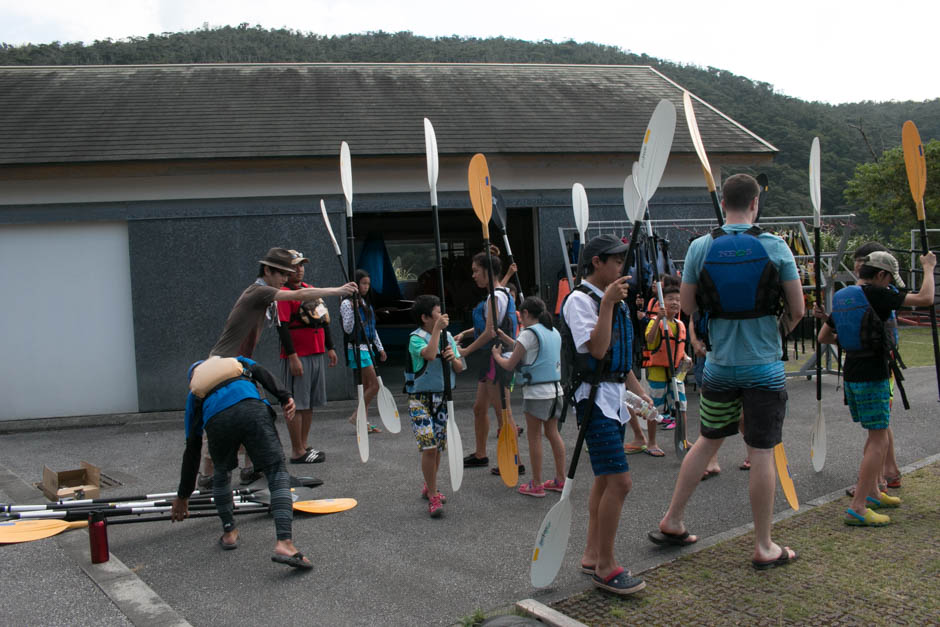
[603, 245]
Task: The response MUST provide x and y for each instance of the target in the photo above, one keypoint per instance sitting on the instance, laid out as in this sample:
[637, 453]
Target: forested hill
[850, 134]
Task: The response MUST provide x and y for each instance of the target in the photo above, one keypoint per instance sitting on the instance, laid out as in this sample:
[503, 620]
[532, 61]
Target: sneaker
[204, 482]
[435, 506]
[530, 489]
[424, 494]
[249, 476]
[667, 424]
[554, 485]
[472, 461]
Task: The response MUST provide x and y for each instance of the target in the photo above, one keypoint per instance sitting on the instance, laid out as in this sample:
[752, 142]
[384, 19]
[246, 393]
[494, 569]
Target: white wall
[321, 177]
[66, 327]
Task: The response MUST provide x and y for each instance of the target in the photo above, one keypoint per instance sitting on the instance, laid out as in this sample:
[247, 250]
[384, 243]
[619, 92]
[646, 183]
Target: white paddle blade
[551, 541]
[817, 448]
[388, 410]
[430, 147]
[815, 189]
[345, 175]
[454, 449]
[579, 204]
[631, 200]
[362, 428]
[657, 142]
[329, 227]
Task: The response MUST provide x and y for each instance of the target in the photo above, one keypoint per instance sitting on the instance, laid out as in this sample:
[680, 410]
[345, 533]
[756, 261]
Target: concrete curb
[135, 599]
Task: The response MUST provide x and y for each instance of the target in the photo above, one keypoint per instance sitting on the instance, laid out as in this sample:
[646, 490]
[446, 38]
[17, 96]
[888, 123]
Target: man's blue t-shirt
[748, 342]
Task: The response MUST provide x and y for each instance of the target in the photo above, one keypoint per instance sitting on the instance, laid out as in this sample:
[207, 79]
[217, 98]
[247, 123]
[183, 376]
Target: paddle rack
[833, 269]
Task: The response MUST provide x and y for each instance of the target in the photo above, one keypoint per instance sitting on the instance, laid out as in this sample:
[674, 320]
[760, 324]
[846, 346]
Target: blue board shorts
[604, 439]
[869, 402]
[364, 357]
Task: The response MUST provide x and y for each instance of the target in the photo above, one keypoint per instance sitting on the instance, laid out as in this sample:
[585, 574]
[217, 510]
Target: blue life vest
[509, 324]
[619, 356]
[860, 331]
[225, 395]
[738, 279]
[430, 378]
[547, 365]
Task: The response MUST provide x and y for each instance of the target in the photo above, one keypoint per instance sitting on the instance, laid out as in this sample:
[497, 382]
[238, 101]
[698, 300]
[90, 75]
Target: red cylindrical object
[98, 537]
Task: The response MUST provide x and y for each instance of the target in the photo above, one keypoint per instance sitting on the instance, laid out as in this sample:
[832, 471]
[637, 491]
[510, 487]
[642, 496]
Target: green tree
[879, 191]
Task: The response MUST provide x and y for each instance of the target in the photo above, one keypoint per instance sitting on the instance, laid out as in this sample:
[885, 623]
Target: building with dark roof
[135, 201]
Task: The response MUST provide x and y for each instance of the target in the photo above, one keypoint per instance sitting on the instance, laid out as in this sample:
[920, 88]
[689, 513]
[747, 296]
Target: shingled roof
[73, 114]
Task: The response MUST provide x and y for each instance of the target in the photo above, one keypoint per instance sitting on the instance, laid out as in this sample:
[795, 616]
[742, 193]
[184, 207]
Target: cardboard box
[69, 484]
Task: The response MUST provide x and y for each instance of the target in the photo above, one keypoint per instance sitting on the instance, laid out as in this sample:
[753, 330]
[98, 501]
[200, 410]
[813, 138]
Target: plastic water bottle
[641, 408]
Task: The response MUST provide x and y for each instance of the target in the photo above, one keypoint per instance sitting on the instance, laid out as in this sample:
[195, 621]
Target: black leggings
[249, 423]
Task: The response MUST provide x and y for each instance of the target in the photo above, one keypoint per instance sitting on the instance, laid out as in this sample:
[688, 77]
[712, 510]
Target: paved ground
[385, 562]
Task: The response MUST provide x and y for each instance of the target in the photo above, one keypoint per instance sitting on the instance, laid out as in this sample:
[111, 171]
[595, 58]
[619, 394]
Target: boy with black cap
[602, 333]
[857, 323]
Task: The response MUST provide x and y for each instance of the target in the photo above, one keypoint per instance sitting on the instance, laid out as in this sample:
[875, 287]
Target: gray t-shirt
[243, 327]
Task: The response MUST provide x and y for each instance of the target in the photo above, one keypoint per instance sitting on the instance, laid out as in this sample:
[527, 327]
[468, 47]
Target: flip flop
[745, 465]
[655, 452]
[663, 538]
[294, 561]
[228, 546]
[373, 428]
[631, 449]
[783, 560]
[709, 474]
[587, 570]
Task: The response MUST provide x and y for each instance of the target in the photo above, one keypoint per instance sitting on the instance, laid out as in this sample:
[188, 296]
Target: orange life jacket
[657, 356]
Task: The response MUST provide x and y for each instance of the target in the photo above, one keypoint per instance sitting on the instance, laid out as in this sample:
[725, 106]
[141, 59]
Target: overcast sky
[828, 50]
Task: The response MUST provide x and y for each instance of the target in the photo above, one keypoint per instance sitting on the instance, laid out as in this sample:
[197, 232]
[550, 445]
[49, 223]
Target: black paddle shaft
[818, 271]
[445, 365]
[357, 327]
[925, 248]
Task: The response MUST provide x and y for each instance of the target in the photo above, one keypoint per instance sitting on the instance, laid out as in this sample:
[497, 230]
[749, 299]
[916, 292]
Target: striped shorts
[660, 389]
[869, 402]
[757, 392]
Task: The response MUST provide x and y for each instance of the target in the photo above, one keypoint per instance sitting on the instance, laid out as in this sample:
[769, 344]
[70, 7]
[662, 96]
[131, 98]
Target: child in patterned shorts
[857, 323]
[425, 386]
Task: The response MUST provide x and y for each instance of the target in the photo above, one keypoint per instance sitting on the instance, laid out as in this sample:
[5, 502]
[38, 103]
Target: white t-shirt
[581, 317]
[539, 391]
[502, 300]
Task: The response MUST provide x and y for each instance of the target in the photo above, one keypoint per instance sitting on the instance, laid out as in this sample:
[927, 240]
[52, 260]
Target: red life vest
[657, 356]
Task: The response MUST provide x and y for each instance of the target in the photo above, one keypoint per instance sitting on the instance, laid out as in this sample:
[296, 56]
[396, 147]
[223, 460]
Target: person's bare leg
[370, 384]
[591, 545]
[608, 519]
[535, 447]
[429, 461]
[690, 474]
[762, 484]
[891, 469]
[870, 469]
[481, 421]
[651, 428]
[558, 448]
[296, 431]
[639, 440]
[713, 466]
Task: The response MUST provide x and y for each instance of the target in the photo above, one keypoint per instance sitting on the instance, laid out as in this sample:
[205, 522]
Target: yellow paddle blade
[692, 123]
[786, 481]
[507, 452]
[915, 164]
[325, 506]
[28, 530]
[481, 193]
